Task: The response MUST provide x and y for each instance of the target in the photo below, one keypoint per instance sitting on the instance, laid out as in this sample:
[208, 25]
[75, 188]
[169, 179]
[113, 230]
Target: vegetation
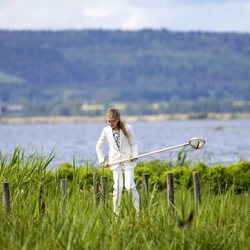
[54, 73]
[220, 222]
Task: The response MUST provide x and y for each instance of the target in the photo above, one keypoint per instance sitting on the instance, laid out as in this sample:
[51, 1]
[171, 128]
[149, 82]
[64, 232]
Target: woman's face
[112, 121]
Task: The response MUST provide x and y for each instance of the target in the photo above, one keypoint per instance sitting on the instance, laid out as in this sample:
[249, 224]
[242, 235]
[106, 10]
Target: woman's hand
[105, 164]
[132, 159]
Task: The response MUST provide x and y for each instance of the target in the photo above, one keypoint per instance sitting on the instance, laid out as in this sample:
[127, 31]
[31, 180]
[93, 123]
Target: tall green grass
[220, 222]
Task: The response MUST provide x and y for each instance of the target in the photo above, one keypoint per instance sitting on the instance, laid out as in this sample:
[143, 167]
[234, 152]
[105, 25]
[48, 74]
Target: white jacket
[128, 147]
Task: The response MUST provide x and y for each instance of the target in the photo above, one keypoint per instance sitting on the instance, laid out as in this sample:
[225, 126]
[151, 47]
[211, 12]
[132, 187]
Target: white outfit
[126, 149]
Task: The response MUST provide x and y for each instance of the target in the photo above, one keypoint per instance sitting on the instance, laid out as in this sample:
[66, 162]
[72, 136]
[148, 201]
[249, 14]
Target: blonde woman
[122, 145]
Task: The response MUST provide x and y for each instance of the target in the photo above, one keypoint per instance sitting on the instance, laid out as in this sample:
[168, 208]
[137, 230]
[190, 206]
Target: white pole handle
[149, 153]
[195, 143]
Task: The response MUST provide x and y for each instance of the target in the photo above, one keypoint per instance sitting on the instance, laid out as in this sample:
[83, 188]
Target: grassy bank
[39, 220]
[148, 118]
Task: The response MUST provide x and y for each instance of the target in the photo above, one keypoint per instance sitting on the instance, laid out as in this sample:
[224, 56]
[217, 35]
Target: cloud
[208, 16]
[184, 15]
[103, 9]
[213, 15]
[226, 16]
[40, 14]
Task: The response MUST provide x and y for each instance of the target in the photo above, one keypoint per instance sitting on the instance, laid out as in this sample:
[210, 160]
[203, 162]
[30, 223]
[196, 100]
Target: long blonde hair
[117, 116]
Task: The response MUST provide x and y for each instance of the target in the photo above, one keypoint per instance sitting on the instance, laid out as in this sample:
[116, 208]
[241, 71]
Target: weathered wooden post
[6, 197]
[145, 183]
[95, 189]
[63, 185]
[197, 188]
[104, 180]
[170, 191]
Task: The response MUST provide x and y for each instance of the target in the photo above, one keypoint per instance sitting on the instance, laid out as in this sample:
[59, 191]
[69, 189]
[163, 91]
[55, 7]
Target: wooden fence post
[6, 197]
[63, 185]
[104, 180]
[170, 191]
[95, 189]
[197, 188]
[145, 183]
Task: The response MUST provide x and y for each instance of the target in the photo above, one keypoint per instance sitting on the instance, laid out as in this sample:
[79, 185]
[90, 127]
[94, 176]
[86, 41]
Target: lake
[227, 141]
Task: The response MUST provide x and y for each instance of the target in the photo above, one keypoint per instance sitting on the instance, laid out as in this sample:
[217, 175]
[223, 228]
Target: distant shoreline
[146, 118]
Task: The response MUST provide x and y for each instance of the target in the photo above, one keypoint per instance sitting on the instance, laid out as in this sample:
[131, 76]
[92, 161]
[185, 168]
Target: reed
[220, 222]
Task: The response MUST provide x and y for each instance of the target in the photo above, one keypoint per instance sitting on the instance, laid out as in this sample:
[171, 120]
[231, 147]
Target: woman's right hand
[105, 164]
[132, 158]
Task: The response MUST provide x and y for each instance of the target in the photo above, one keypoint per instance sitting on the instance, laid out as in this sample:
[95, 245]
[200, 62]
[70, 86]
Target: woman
[122, 146]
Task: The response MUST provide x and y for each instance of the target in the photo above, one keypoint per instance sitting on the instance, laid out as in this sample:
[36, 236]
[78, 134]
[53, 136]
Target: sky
[174, 15]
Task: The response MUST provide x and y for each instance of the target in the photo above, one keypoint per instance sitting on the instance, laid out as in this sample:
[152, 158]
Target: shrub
[155, 169]
[23, 171]
[83, 175]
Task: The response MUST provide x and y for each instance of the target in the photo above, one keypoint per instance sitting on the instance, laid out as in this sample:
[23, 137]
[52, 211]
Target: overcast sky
[181, 15]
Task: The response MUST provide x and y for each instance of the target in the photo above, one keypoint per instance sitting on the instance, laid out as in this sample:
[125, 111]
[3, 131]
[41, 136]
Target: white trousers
[129, 185]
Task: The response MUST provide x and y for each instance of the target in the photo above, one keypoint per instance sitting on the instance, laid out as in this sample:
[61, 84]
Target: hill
[148, 71]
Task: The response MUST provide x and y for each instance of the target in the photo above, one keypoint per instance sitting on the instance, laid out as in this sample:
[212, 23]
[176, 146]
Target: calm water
[226, 141]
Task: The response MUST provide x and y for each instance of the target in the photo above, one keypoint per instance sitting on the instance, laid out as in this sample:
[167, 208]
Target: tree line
[54, 72]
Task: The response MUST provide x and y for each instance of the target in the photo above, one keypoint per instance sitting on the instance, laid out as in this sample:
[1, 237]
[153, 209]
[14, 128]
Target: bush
[216, 178]
[83, 175]
[239, 176]
[23, 171]
[155, 169]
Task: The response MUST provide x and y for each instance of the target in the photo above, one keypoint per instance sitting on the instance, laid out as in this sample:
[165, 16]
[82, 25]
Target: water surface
[227, 141]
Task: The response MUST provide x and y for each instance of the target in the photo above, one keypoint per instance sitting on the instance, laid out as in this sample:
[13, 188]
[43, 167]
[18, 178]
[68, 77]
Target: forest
[147, 71]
